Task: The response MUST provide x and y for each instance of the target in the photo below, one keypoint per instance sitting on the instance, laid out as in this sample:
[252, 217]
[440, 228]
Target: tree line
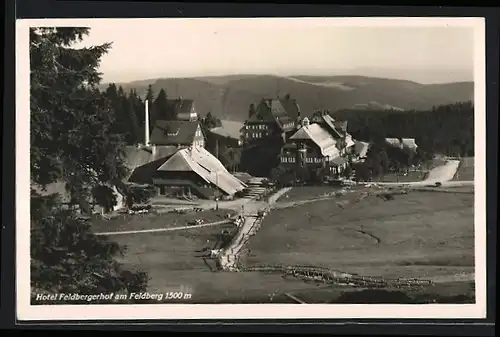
[129, 109]
[446, 129]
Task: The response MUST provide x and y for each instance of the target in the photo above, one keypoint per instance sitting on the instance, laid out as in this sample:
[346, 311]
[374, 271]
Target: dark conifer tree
[161, 107]
[72, 141]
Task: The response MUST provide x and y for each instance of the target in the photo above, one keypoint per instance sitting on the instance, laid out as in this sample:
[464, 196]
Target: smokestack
[146, 124]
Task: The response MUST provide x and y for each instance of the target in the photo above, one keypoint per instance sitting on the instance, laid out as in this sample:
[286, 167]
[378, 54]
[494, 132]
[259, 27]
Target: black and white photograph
[210, 168]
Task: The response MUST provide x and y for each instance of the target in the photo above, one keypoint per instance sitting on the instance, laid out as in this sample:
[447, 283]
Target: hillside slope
[229, 97]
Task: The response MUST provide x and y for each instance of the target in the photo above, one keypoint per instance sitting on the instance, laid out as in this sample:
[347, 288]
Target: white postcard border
[26, 311]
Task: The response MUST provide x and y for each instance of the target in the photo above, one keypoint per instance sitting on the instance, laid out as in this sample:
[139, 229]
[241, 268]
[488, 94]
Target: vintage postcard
[250, 168]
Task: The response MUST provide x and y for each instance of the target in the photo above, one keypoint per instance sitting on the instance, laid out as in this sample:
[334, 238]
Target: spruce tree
[72, 141]
[161, 107]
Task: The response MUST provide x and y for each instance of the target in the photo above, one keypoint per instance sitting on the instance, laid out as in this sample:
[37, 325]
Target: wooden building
[183, 109]
[322, 146]
[177, 133]
[272, 118]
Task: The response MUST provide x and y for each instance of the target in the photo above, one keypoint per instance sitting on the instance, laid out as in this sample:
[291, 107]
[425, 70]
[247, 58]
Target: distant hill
[229, 97]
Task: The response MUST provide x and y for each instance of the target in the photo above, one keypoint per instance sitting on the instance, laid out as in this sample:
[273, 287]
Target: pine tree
[132, 105]
[72, 141]
[161, 107]
[139, 108]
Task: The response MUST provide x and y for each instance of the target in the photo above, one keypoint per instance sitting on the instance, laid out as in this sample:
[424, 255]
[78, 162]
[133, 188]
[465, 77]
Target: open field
[422, 234]
[127, 222]
[173, 264]
[394, 238]
[307, 192]
[466, 169]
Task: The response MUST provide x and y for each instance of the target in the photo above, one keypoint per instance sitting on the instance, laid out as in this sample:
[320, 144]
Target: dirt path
[168, 229]
[229, 256]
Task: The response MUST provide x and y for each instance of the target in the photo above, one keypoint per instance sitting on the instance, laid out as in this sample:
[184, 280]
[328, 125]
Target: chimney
[146, 124]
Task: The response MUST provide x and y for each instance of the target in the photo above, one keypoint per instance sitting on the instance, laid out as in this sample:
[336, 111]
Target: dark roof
[333, 126]
[291, 107]
[180, 105]
[143, 162]
[271, 110]
[173, 132]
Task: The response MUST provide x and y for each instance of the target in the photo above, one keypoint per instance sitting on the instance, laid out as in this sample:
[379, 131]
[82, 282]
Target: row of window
[199, 143]
[257, 134]
[257, 127]
[309, 160]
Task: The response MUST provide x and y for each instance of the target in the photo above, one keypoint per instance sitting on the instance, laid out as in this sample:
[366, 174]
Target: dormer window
[170, 133]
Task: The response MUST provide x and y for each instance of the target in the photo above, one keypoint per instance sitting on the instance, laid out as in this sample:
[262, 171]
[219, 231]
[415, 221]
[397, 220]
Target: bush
[140, 194]
[105, 197]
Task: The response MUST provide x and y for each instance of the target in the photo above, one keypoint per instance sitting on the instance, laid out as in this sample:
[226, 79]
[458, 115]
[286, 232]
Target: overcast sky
[153, 48]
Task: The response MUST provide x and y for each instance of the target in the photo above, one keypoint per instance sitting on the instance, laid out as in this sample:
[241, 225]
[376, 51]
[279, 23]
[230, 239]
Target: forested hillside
[228, 97]
[445, 129]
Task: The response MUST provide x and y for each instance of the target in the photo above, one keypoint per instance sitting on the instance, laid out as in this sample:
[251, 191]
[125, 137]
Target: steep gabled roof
[205, 165]
[332, 125]
[143, 162]
[291, 107]
[321, 137]
[271, 110]
[229, 129]
[180, 105]
[173, 132]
